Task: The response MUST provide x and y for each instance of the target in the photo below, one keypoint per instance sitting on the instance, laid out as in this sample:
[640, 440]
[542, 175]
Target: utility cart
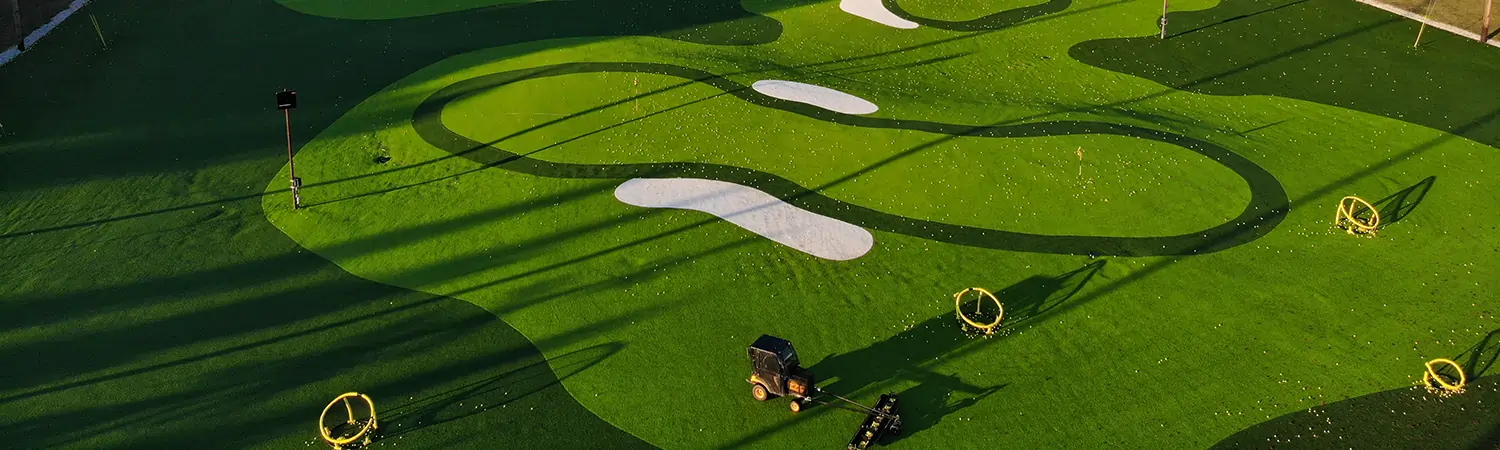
[775, 371]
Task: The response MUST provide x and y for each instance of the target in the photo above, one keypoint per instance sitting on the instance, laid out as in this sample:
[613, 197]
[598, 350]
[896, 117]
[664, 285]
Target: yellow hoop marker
[986, 328]
[1346, 219]
[1432, 377]
[363, 432]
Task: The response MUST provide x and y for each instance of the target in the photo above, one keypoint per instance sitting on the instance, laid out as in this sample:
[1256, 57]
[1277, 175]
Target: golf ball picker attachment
[776, 371]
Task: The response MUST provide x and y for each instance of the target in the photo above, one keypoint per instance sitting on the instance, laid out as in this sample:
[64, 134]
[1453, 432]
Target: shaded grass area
[147, 302]
[1398, 418]
[1331, 52]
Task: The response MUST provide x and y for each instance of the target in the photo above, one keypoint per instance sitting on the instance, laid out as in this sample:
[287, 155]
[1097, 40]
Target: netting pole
[1164, 4]
[1484, 30]
[1425, 18]
[291, 162]
[20, 30]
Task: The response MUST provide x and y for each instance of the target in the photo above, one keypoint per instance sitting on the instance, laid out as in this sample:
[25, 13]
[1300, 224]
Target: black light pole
[15, 17]
[285, 101]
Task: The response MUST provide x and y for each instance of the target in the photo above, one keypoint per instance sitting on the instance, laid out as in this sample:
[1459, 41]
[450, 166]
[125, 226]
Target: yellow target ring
[1438, 383]
[364, 432]
[985, 328]
[1347, 219]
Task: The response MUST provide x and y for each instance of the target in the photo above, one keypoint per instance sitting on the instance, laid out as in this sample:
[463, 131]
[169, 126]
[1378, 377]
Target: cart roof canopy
[782, 348]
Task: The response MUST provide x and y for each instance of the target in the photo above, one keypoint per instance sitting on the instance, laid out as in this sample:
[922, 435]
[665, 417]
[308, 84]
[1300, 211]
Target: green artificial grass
[1149, 352]
[153, 298]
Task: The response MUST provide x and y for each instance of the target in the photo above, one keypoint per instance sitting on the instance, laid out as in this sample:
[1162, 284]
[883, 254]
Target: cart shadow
[927, 404]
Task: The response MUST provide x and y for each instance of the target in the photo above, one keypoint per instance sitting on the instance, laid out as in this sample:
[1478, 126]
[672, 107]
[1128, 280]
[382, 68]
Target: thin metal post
[292, 162]
[1164, 4]
[1484, 31]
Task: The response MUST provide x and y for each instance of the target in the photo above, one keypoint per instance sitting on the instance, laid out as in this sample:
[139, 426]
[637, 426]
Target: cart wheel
[759, 392]
[796, 406]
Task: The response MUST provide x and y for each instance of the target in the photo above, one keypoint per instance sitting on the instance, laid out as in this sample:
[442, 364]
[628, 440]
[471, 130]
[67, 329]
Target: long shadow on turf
[909, 354]
[418, 413]
[1266, 208]
[1200, 27]
[352, 61]
[245, 317]
[1038, 295]
[313, 186]
[20, 312]
[388, 352]
[1363, 61]
[342, 332]
[1397, 206]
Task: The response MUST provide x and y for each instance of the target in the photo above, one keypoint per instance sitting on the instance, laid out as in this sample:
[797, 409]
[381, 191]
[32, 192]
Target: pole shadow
[1397, 206]
[1215, 22]
[928, 403]
[1040, 294]
[493, 392]
[1480, 358]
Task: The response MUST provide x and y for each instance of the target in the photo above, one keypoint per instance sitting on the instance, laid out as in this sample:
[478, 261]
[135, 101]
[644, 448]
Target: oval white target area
[755, 211]
[876, 11]
[819, 96]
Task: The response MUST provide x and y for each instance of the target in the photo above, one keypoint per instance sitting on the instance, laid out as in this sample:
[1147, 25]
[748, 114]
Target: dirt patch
[34, 13]
[1465, 14]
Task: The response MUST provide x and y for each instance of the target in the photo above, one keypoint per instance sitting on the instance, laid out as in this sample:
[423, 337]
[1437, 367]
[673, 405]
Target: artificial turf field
[1155, 214]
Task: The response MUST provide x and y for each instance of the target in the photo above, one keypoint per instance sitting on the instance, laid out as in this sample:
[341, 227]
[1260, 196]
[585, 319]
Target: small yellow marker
[1347, 217]
[1080, 161]
[980, 295]
[1437, 384]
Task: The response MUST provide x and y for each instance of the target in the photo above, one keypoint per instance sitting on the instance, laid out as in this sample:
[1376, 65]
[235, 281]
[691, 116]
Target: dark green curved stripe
[996, 21]
[1268, 201]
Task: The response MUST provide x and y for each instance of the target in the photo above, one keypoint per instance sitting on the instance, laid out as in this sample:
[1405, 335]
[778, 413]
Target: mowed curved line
[1267, 206]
